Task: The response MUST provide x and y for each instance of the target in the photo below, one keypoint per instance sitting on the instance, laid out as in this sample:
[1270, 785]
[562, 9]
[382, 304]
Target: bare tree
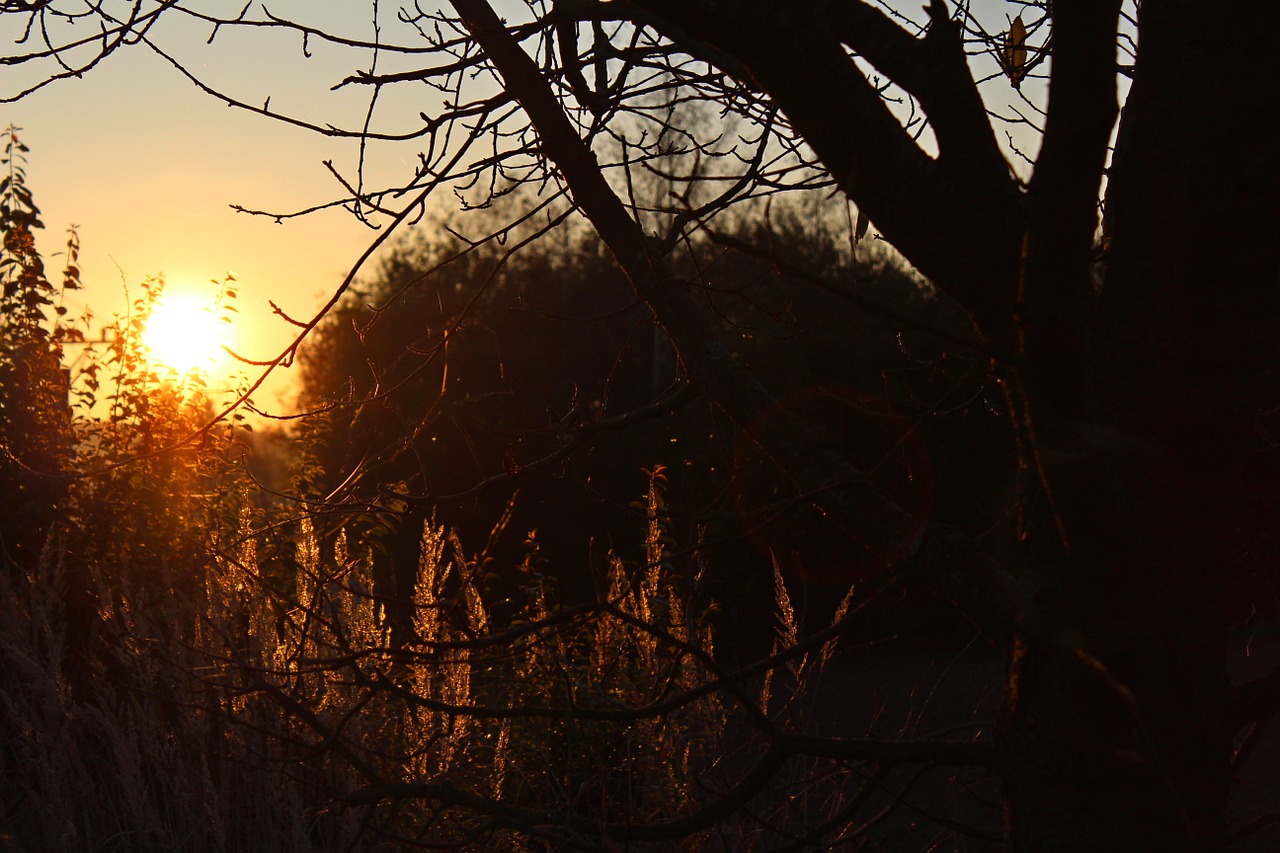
[1124, 294]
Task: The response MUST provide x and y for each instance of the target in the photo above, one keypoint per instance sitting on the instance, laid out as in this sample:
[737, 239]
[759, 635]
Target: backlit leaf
[1015, 52]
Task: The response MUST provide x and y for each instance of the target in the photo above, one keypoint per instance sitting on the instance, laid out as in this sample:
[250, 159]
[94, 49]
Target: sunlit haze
[185, 335]
[147, 168]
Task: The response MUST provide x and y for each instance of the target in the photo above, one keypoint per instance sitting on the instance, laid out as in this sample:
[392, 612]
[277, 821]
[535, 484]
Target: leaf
[1015, 52]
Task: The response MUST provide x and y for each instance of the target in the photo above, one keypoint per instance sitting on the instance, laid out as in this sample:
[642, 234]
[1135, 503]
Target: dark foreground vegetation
[653, 501]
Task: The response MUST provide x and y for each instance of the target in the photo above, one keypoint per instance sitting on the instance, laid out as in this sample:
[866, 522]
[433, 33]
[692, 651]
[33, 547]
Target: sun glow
[185, 335]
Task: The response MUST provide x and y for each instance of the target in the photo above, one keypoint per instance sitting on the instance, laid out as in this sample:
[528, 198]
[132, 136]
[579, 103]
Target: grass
[247, 713]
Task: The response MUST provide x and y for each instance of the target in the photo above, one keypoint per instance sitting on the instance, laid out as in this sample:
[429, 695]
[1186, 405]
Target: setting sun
[184, 334]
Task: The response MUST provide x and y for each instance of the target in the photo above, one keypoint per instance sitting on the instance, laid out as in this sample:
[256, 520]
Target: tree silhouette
[35, 417]
[1123, 293]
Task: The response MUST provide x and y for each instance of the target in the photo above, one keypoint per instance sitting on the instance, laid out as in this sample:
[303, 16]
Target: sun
[184, 335]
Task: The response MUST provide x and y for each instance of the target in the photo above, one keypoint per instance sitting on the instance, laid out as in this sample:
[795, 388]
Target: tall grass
[115, 747]
[247, 713]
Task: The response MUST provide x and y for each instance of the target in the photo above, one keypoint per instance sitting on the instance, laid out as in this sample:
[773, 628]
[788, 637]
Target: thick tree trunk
[1117, 734]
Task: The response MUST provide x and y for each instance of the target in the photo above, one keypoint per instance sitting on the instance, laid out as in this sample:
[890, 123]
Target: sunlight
[184, 334]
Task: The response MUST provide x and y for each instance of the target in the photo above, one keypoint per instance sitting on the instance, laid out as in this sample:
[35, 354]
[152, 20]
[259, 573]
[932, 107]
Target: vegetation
[389, 641]
[191, 663]
[474, 377]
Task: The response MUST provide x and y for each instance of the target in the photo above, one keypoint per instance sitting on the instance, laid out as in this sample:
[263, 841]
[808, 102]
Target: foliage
[471, 703]
[124, 759]
[202, 697]
[162, 480]
[103, 453]
[35, 437]
[110, 509]
[1131, 358]
[470, 372]
[188, 666]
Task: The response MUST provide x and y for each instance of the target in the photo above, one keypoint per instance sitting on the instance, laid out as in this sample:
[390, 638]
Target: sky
[147, 167]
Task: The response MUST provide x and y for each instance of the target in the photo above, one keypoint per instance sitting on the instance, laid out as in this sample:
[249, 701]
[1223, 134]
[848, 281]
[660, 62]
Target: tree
[1133, 351]
[468, 375]
[35, 438]
[1134, 399]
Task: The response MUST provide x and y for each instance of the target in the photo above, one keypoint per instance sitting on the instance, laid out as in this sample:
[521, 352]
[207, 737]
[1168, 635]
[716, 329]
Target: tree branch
[1057, 285]
[949, 753]
[848, 497]
[525, 818]
[936, 71]
[779, 751]
[965, 242]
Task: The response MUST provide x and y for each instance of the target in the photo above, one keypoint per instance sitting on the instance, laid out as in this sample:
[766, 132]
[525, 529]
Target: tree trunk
[1116, 734]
